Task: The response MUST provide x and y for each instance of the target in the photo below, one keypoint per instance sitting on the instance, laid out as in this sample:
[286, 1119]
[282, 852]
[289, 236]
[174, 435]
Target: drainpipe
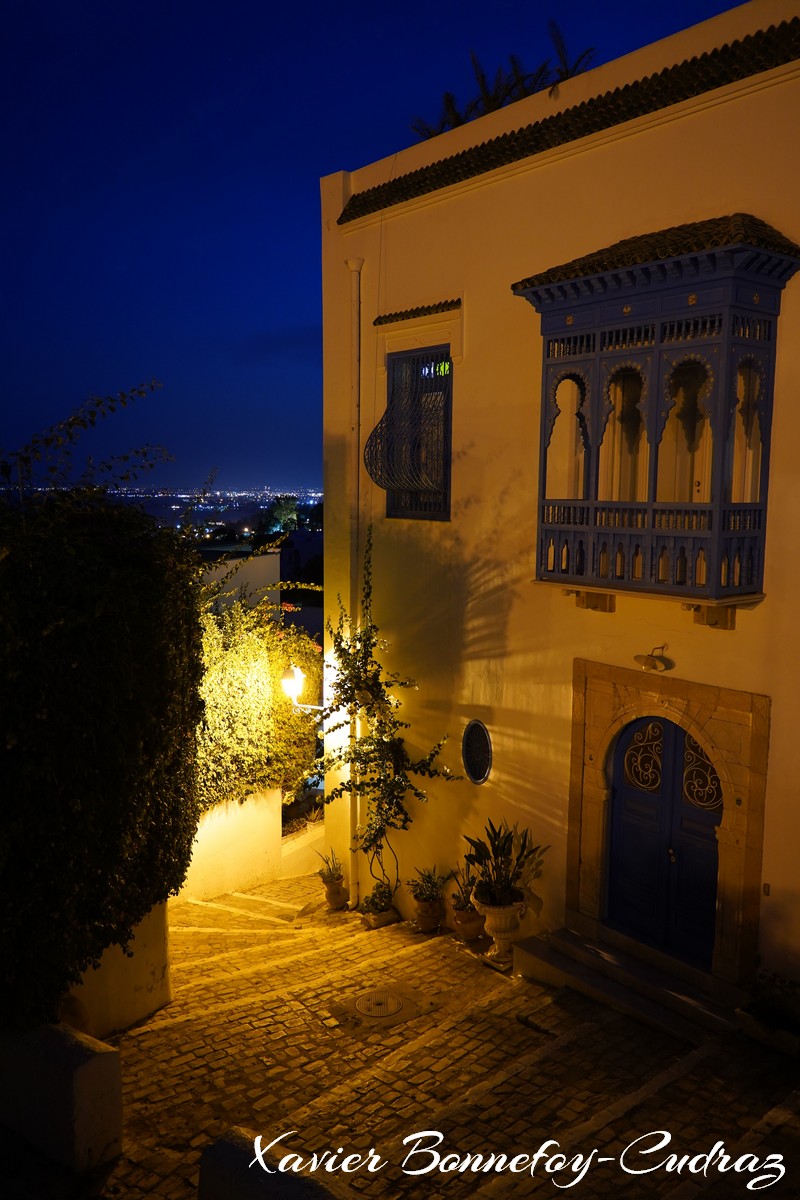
[354, 266]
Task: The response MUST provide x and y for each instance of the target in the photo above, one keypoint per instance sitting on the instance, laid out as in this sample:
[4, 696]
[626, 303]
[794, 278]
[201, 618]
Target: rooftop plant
[507, 85]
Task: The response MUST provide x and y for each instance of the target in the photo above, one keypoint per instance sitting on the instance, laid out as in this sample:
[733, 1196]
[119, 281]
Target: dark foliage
[100, 661]
[507, 86]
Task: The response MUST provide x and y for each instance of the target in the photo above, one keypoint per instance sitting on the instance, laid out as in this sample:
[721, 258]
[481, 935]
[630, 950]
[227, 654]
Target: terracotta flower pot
[468, 924]
[336, 894]
[429, 915]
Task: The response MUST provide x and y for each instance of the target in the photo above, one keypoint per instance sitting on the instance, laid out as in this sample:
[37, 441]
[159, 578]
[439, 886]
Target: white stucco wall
[237, 846]
[457, 600]
[256, 575]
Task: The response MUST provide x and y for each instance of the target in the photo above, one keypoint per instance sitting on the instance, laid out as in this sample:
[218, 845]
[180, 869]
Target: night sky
[160, 198]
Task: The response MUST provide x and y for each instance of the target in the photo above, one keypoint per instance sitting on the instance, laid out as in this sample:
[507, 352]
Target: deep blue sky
[160, 198]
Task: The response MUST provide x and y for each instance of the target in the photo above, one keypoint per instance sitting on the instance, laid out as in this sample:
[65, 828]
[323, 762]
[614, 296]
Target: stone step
[564, 959]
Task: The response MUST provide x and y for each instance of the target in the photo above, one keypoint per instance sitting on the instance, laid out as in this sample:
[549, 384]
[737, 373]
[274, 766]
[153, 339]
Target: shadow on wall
[455, 598]
[449, 600]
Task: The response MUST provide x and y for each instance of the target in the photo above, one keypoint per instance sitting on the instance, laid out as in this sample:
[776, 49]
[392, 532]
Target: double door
[663, 860]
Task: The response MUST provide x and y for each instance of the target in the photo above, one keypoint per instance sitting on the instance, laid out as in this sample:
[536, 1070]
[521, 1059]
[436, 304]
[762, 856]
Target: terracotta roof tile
[423, 310]
[761, 51]
[739, 229]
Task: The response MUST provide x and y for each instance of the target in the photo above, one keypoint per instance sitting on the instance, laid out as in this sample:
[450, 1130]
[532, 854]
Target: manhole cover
[379, 1003]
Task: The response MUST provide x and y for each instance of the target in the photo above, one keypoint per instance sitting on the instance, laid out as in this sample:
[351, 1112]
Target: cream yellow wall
[457, 599]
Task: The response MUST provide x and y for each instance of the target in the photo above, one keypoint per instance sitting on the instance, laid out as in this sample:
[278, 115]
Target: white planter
[300, 852]
[123, 991]
[61, 1091]
[502, 924]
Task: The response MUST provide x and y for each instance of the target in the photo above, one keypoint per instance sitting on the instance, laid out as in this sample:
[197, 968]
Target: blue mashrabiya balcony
[657, 397]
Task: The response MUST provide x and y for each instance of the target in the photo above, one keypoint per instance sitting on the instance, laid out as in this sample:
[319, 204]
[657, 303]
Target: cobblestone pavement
[264, 1032]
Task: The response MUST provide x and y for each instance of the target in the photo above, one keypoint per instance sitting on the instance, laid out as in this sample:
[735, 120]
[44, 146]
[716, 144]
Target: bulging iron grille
[408, 452]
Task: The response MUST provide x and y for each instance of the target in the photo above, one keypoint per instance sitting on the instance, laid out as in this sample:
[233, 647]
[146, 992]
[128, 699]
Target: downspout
[354, 265]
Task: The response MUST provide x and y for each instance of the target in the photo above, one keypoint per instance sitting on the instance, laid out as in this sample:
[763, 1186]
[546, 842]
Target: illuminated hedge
[251, 737]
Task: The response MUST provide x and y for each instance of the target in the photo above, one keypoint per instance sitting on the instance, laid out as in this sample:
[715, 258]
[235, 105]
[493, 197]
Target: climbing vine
[379, 770]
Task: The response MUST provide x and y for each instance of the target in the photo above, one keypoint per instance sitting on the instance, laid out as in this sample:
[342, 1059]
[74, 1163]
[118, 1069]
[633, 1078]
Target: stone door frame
[732, 727]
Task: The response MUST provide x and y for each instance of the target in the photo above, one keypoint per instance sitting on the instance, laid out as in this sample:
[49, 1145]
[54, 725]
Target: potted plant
[428, 892]
[505, 864]
[467, 921]
[377, 908]
[332, 875]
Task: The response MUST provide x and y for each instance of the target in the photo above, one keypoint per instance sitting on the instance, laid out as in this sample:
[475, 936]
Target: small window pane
[745, 475]
[476, 752]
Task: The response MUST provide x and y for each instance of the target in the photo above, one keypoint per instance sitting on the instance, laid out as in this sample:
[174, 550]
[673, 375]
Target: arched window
[622, 473]
[566, 454]
[684, 455]
[744, 445]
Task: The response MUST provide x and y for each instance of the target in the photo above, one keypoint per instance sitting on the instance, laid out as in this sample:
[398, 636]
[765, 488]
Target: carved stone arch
[732, 729]
[670, 712]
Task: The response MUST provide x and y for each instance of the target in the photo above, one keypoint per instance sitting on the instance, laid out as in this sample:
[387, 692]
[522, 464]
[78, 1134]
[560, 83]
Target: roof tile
[757, 52]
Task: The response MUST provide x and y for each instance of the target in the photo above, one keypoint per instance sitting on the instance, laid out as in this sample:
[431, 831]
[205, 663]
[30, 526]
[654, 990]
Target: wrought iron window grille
[407, 454]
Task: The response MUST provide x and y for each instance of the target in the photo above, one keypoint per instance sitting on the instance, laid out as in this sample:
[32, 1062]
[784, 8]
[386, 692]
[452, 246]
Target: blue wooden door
[662, 865]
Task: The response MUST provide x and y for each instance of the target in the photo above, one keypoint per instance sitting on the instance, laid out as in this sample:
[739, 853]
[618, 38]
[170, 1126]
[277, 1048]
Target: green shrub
[102, 619]
[100, 661]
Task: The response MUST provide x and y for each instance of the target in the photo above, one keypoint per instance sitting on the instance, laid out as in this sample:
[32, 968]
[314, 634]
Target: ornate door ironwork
[662, 862]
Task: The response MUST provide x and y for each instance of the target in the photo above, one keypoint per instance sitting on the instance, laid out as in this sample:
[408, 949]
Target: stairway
[562, 958]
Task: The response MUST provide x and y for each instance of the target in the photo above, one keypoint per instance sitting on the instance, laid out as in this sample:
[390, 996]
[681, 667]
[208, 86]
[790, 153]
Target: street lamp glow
[292, 682]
